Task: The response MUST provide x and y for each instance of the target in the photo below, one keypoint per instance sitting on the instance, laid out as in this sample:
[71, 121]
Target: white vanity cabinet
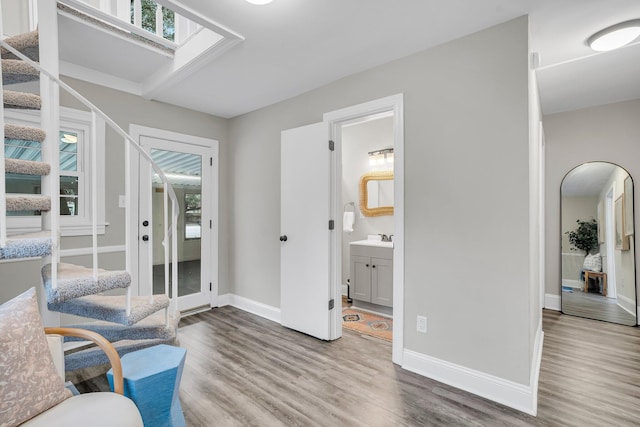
[371, 268]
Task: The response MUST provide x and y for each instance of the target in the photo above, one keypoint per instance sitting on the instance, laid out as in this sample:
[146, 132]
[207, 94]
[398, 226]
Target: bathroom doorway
[369, 142]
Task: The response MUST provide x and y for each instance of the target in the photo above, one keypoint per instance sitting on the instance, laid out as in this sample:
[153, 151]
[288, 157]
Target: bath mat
[367, 323]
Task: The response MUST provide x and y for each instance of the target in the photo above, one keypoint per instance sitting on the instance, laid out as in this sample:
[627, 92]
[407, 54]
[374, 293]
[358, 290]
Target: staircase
[129, 322]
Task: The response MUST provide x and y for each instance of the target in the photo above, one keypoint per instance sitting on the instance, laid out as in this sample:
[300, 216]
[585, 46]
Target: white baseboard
[536, 361]
[624, 303]
[251, 306]
[517, 396]
[552, 302]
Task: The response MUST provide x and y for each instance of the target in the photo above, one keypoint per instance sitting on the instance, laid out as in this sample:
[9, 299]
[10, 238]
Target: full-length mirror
[598, 251]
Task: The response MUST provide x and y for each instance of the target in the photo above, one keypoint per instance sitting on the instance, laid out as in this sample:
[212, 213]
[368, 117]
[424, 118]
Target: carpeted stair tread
[94, 356]
[153, 327]
[27, 202]
[27, 245]
[26, 43]
[26, 167]
[76, 281]
[112, 308]
[16, 71]
[21, 100]
[23, 133]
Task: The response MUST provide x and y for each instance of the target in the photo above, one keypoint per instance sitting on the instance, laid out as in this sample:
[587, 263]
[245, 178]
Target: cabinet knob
[366, 265]
[373, 266]
[283, 238]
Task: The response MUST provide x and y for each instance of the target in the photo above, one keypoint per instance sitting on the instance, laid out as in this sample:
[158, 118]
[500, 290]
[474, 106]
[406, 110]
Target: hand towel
[347, 221]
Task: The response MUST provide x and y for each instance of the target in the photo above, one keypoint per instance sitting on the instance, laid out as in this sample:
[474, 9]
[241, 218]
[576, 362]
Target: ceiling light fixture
[615, 36]
[259, 2]
[69, 138]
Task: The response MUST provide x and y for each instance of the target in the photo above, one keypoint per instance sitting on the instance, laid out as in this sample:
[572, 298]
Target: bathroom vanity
[371, 271]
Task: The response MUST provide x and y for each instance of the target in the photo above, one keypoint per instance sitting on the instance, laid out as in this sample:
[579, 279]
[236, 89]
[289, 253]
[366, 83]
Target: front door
[305, 240]
[190, 170]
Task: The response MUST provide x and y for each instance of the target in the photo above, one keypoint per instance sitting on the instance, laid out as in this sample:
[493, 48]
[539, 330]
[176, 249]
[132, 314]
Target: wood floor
[595, 306]
[243, 370]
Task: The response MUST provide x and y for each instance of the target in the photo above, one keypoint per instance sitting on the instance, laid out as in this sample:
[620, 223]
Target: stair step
[27, 245]
[153, 327]
[26, 167]
[112, 308]
[94, 356]
[16, 71]
[26, 43]
[76, 281]
[27, 202]
[21, 100]
[23, 133]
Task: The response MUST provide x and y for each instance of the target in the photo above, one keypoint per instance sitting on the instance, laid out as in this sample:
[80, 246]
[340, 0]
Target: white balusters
[159, 21]
[137, 13]
[94, 193]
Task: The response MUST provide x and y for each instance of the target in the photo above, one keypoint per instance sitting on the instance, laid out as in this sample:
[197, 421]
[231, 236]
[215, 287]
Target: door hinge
[331, 224]
[210, 223]
[210, 161]
[210, 287]
[331, 304]
[332, 145]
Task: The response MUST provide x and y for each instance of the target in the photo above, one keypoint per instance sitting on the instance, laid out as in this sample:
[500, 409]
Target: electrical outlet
[421, 324]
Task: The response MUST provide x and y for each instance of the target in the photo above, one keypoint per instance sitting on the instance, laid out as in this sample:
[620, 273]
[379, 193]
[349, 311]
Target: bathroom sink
[377, 243]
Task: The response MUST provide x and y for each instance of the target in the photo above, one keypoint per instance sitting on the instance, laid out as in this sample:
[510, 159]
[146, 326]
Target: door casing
[133, 218]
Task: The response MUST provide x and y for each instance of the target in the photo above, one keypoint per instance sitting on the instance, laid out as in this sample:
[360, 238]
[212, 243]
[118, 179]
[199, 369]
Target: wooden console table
[596, 275]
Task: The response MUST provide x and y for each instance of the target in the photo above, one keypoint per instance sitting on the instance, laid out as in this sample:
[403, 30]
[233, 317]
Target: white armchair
[95, 409]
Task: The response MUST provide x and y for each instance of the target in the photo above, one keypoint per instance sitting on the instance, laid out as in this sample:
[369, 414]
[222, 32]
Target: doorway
[392, 107]
[190, 164]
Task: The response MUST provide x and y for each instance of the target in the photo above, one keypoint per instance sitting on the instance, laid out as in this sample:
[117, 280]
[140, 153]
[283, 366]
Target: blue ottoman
[152, 380]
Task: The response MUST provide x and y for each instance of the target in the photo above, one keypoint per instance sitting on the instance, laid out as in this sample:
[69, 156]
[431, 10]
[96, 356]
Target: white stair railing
[170, 231]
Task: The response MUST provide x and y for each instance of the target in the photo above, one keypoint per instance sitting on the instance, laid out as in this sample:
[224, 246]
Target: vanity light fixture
[259, 2]
[381, 157]
[615, 36]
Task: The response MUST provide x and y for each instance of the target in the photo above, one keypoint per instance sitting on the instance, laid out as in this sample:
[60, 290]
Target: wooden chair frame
[100, 341]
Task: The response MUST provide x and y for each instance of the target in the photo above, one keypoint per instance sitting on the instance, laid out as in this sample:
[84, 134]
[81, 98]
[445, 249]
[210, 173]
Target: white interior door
[190, 170]
[305, 263]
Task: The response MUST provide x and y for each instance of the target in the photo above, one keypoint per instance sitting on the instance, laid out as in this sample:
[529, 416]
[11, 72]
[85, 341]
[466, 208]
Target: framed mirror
[597, 243]
[376, 193]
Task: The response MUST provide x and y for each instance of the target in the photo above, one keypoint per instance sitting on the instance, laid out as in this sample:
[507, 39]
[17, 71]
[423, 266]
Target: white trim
[509, 393]
[99, 78]
[345, 290]
[552, 302]
[250, 306]
[209, 254]
[536, 361]
[88, 251]
[335, 119]
[627, 300]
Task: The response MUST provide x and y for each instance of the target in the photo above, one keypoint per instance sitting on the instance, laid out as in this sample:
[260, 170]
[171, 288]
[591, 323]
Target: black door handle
[145, 238]
[283, 238]
[145, 223]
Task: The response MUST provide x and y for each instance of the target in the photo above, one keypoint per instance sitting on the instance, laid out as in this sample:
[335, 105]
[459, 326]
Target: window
[192, 216]
[75, 177]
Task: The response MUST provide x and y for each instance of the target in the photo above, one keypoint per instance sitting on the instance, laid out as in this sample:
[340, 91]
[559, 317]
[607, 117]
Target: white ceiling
[293, 46]
[587, 180]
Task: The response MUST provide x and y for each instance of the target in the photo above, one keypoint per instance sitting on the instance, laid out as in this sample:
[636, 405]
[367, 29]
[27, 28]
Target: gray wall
[126, 109]
[466, 195]
[608, 133]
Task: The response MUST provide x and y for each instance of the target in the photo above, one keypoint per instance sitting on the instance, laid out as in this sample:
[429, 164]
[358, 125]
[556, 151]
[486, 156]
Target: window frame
[184, 215]
[76, 121]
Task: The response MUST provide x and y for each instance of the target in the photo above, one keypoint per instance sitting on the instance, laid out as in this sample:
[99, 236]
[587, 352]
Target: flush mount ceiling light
[259, 2]
[69, 138]
[615, 36]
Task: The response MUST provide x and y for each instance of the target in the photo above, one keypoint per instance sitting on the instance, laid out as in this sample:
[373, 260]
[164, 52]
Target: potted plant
[585, 237]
